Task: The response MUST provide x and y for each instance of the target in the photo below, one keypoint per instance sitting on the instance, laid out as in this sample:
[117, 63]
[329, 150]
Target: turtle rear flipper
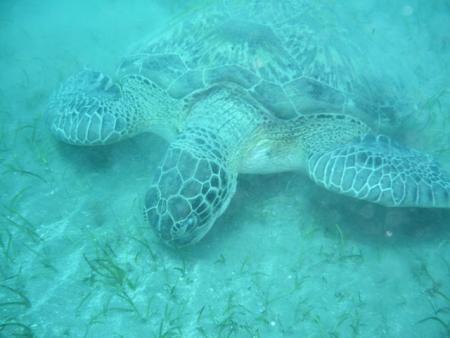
[379, 170]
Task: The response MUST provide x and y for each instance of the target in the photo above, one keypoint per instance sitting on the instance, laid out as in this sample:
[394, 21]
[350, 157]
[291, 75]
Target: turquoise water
[287, 259]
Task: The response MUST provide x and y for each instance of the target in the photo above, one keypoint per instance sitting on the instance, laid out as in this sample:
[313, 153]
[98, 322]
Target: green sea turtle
[247, 87]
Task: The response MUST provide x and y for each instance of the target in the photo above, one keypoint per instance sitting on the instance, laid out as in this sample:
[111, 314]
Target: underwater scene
[225, 168]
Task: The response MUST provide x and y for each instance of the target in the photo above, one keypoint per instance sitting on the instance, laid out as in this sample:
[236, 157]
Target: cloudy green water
[287, 259]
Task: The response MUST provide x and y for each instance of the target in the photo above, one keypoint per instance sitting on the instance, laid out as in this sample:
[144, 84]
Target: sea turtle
[247, 87]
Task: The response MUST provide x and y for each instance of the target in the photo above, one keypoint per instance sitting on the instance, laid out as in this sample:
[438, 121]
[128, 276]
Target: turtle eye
[184, 232]
[190, 222]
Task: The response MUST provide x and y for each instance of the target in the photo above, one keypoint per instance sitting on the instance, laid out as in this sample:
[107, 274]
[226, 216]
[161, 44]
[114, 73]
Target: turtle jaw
[177, 234]
[181, 235]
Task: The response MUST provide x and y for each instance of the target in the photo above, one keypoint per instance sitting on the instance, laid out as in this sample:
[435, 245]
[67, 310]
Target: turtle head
[188, 194]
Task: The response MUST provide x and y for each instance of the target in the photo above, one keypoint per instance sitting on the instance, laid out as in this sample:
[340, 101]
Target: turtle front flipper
[379, 170]
[90, 109]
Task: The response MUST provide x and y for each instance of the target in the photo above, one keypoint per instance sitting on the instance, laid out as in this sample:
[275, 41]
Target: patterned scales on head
[248, 87]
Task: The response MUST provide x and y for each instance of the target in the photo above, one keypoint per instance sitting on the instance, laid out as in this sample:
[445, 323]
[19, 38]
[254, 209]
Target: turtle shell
[289, 55]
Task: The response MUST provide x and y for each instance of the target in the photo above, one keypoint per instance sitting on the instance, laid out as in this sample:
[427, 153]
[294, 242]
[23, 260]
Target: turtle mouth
[188, 232]
[185, 232]
[181, 242]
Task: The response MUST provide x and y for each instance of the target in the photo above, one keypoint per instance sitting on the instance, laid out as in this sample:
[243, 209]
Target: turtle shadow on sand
[377, 225]
[359, 221]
